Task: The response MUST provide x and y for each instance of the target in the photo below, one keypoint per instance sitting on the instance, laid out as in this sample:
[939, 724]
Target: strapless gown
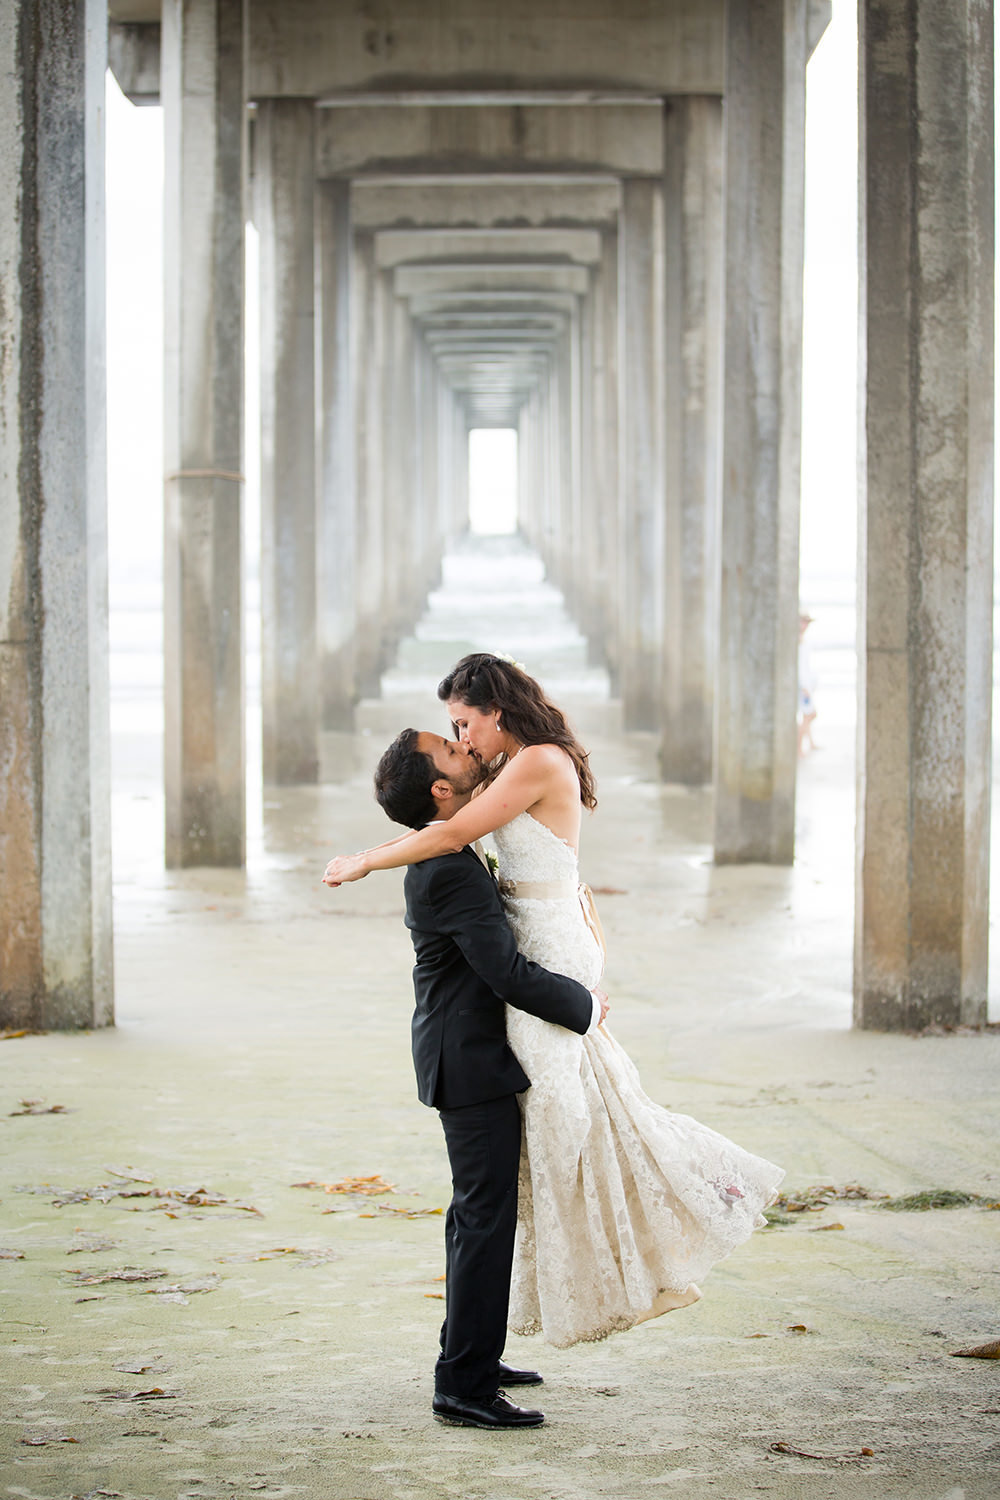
[623, 1206]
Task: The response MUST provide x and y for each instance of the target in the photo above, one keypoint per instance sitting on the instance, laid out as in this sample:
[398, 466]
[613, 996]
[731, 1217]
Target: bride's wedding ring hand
[344, 867]
[605, 1005]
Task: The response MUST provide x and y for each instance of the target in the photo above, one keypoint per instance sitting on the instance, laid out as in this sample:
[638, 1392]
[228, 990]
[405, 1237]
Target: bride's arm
[519, 786]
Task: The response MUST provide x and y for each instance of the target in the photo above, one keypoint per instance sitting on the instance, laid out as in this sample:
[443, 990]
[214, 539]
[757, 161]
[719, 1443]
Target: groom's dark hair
[403, 780]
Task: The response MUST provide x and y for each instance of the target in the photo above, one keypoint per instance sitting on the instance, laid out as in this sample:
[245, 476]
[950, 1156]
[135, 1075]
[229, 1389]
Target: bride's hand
[345, 867]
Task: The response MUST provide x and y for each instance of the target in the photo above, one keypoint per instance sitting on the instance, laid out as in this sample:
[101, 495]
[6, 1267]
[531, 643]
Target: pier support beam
[284, 192]
[766, 42]
[55, 834]
[925, 591]
[203, 47]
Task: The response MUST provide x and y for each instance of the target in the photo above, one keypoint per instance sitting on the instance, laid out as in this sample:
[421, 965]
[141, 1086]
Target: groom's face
[454, 762]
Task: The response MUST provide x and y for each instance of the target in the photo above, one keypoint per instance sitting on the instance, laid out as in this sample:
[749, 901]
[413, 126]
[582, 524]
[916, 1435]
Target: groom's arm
[468, 910]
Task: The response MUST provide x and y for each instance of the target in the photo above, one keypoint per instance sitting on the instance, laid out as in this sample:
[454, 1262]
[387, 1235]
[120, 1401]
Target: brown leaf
[11, 1254]
[369, 1187]
[797, 1452]
[186, 1288]
[836, 1457]
[125, 1273]
[38, 1107]
[156, 1393]
[822, 1228]
[52, 1437]
[981, 1351]
[407, 1213]
[437, 1296]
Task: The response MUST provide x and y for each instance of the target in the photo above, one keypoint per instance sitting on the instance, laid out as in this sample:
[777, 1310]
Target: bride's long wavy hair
[490, 683]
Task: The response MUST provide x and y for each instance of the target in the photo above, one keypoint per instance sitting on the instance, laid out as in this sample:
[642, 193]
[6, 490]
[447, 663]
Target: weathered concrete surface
[204, 211]
[263, 1041]
[693, 390]
[336, 520]
[761, 421]
[641, 290]
[300, 49]
[927, 513]
[284, 193]
[55, 810]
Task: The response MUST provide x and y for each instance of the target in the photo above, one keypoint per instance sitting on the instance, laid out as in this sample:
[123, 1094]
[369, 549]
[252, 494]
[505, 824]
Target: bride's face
[477, 728]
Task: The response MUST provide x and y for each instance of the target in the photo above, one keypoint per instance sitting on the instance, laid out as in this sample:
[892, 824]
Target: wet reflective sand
[287, 1334]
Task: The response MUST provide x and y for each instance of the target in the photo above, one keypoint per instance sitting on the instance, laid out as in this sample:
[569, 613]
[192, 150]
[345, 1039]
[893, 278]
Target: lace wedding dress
[622, 1205]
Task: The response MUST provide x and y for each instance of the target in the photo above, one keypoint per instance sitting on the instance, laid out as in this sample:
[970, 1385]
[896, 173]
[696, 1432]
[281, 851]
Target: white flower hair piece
[506, 656]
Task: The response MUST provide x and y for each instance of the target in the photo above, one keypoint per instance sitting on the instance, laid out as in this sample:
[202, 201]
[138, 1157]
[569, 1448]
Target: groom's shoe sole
[509, 1376]
[498, 1414]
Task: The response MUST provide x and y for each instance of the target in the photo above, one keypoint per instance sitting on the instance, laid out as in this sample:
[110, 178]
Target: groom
[467, 967]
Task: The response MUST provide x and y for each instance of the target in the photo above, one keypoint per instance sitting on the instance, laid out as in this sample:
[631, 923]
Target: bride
[622, 1205]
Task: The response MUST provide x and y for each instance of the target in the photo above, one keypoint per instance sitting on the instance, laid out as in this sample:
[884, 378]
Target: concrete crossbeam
[521, 202]
[300, 48]
[401, 140]
[396, 247]
[523, 277]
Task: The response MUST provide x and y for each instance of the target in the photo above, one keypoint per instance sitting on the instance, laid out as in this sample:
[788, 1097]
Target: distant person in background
[807, 689]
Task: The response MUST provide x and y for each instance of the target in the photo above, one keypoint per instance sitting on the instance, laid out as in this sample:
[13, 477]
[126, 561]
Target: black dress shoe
[509, 1376]
[497, 1411]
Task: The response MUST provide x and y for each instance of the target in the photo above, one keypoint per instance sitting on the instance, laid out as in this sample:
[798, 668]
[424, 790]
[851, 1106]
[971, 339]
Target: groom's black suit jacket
[467, 967]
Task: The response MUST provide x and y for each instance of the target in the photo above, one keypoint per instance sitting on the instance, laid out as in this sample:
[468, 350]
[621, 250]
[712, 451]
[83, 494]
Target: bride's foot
[669, 1302]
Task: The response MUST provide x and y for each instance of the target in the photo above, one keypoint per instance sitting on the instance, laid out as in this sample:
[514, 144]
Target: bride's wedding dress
[622, 1205]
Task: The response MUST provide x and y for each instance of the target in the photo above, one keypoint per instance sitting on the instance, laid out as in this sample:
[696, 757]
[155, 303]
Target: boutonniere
[492, 864]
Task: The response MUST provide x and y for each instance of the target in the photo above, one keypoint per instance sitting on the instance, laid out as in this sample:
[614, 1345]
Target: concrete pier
[640, 371]
[927, 519]
[693, 441]
[204, 104]
[764, 144]
[55, 834]
[284, 191]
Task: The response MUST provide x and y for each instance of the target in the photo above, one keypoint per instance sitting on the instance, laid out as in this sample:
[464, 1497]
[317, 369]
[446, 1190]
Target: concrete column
[926, 543]
[586, 496]
[55, 841]
[527, 458]
[764, 174]
[692, 420]
[640, 368]
[283, 207]
[404, 595]
[427, 430]
[337, 519]
[203, 47]
[367, 365]
[607, 467]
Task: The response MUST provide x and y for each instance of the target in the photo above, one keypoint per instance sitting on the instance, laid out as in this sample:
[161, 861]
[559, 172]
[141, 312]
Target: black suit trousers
[484, 1146]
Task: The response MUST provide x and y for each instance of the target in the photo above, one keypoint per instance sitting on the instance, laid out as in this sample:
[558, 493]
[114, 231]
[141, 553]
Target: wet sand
[262, 1042]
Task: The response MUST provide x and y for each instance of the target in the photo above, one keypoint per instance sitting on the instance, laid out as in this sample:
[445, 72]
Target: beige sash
[559, 890]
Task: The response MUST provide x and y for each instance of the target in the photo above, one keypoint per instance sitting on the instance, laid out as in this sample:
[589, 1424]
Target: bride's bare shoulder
[549, 760]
